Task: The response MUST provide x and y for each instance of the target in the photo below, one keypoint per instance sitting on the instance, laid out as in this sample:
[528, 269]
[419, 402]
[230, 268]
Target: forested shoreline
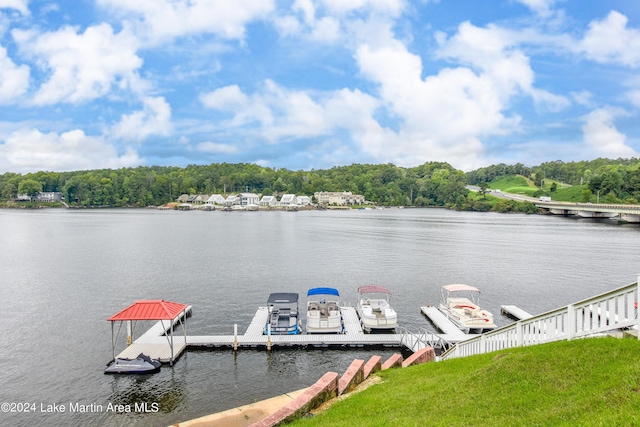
[430, 184]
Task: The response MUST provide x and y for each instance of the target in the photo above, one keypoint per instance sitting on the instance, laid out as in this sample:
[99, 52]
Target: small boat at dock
[374, 309]
[142, 364]
[323, 311]
[283, 314]
[460, 304]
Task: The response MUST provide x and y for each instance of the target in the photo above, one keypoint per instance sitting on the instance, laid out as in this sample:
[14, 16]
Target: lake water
[64, 272]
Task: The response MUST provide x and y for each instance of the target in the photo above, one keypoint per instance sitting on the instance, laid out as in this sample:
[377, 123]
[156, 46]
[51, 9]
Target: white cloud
[159, 20]
[81, 66]
[600, 134]
[634, 97]
[541, 7]
[333, 21]
[281, 114]
[216, 148]
[507, 69]
[153, 119]
[387, 7]
[21, 6]
[244, 109]
[14, 79]
[610, 41]
[30, 150]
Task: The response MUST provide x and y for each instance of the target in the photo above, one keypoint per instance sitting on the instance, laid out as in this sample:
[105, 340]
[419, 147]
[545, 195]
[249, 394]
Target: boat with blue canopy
[323, 311]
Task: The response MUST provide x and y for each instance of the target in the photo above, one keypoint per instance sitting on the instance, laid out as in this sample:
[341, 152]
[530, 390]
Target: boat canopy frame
[370, 289]
[150, 310]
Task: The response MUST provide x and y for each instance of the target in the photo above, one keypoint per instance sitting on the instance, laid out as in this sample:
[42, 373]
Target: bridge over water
[627, 213]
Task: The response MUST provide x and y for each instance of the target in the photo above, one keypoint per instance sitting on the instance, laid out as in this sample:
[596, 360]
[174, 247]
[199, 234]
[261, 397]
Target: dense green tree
[30, 187]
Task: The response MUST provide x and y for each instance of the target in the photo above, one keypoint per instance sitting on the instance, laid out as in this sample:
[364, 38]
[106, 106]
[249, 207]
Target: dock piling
[235, 337]
[269, 337]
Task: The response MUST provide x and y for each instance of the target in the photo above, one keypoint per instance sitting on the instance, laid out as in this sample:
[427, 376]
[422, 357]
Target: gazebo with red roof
[150, 310]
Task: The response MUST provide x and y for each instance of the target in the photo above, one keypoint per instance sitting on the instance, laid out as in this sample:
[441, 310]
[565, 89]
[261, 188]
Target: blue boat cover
[323, 291]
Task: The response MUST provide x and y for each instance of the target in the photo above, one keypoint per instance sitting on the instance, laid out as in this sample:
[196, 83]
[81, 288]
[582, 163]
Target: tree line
[612, 180]
[431, 184]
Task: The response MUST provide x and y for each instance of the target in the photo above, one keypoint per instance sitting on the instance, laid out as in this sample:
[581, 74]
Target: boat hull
[324, 317]
[373, 320]
[467, 324]
[139, 365]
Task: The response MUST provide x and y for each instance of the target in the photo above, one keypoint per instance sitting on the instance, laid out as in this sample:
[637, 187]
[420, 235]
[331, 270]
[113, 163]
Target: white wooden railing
[416, 341]
[612, 310]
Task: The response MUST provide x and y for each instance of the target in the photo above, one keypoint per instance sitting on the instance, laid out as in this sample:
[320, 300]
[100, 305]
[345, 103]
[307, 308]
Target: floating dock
[515, 312]
[156, 342]
[452, 332]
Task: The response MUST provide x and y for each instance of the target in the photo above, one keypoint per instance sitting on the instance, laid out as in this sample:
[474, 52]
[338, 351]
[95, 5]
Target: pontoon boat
[374, 309]
[283, 314]
[460, 305]
[323, 311]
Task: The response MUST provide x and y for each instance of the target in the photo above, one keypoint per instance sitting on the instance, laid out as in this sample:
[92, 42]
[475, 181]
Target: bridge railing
[609, 311]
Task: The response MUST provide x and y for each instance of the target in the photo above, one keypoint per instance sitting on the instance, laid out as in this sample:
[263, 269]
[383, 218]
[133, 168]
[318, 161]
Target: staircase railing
[416, 341]
[616, 309]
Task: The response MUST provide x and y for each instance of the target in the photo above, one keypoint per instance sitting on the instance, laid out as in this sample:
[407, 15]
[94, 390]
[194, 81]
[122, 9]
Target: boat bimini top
[323, 291]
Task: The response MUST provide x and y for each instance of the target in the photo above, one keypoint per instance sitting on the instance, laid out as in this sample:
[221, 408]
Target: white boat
[374, 309]
[283, 314]
[460, 304]
[323, 311]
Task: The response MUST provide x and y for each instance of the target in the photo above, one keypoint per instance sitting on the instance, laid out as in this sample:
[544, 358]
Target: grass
[516, 184]
[582, 382]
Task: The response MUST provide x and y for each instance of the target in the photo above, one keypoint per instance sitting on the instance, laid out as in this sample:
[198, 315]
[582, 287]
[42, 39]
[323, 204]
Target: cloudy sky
[302, 84]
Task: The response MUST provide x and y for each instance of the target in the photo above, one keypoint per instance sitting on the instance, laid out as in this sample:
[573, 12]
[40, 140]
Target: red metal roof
[150, 310]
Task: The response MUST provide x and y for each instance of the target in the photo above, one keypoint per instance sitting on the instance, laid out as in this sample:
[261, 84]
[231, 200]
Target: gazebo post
[129, 332]
[113, 345]
[184, 325]
[171, 361]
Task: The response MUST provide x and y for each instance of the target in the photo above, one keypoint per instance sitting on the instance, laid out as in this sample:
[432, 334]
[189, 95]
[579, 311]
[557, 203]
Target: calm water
[64, 272]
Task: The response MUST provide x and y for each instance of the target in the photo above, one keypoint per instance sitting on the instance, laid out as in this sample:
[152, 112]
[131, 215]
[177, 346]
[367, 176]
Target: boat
[142, 364]
[283, 314]
[374, 309]
[460, 304]
[323, 311]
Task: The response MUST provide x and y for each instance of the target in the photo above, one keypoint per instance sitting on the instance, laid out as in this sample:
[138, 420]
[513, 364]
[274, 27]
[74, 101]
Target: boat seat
[284, 312]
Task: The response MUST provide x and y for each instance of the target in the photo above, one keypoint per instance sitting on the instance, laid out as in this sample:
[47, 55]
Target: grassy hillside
[516, 184]
[584, 382]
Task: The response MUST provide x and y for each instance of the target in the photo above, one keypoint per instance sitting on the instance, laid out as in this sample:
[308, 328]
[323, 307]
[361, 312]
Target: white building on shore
[338, 198]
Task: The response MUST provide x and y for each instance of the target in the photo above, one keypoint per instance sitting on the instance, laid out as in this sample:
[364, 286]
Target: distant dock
[515, 312]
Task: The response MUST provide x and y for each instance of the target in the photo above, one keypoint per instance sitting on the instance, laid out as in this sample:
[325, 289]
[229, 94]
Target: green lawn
[516, 184]
[587, 382]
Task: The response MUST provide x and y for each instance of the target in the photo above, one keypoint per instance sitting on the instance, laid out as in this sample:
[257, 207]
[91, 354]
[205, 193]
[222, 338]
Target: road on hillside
[502, 195]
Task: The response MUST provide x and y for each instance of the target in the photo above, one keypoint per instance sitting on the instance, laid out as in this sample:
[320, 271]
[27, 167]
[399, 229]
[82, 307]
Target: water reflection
[159, 393]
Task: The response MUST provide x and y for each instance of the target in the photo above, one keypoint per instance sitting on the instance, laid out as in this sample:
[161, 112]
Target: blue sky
[306, 84]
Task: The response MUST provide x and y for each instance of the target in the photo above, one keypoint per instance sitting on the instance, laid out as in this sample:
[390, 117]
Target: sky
[312, 84]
